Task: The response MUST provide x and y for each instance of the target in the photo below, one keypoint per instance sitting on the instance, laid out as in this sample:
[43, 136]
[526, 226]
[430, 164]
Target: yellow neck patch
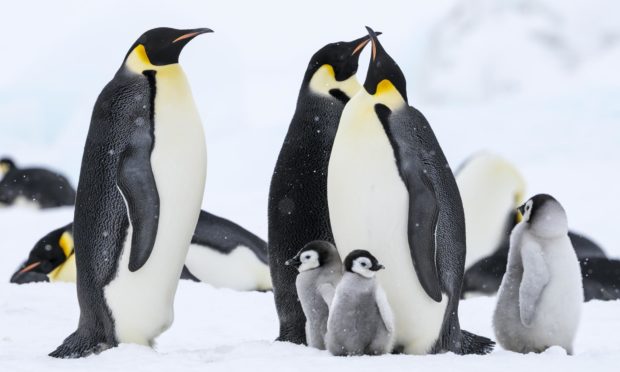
[138, 60]
[67, 272]
[66, 243]
[388, 95]
[324, 80]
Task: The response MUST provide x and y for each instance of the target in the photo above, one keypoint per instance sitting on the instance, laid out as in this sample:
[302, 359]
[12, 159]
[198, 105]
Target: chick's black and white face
[309, 260]
[527, 210]
[363, 266]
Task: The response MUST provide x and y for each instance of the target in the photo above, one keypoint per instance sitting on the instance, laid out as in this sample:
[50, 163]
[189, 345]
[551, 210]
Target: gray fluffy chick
[361, 320]
[320, 270]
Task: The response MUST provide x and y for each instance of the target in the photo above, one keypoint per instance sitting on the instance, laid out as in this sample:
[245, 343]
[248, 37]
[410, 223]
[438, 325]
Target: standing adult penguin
[391, 192]
[139, 196]
[298, 192]
[37, 186]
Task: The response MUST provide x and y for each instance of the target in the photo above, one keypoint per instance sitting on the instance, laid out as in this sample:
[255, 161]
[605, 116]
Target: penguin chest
[368, 206]
[141, 301]
[240, 269]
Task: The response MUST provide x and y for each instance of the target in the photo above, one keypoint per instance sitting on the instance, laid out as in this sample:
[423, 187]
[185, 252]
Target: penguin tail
[474, 344]
[78, 345]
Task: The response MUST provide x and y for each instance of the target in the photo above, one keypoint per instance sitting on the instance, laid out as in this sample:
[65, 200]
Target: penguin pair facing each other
[139, 195]
[540, 298]
[491, 189]
[391, 192]
[221, 253]
[35, 186]
[347, 313]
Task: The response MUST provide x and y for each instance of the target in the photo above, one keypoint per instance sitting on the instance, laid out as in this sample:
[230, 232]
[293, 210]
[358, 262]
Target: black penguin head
[314, 254]
[384, 75]
[333, 64]
[544, 215]
[363, 263]
[48, 254]
[6, 165]
[162, 46]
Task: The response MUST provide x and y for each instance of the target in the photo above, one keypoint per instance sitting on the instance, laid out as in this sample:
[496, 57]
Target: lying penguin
[41, 187]
[222, 254]
[491, 189]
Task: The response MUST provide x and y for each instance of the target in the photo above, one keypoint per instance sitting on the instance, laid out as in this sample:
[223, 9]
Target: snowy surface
[535, 81]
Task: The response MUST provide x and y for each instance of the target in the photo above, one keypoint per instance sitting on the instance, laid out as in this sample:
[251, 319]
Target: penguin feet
[291, 334]
[79, 345]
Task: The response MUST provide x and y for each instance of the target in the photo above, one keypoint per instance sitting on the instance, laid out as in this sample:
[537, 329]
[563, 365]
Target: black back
[47, 188]
[225, 236]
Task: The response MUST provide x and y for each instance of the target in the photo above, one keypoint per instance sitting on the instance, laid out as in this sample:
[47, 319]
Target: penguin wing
[224, 236]
[136, 182]
[535, 278]
[401, 127]
[327, 292]
[384, 309]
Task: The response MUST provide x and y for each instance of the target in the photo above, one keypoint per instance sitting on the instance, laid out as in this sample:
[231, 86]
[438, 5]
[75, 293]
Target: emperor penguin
[539, 302]
[297, 207]
[320, 270]
[360, 319]
[391, 192]
[50, 260]
[138, 200]
[41, 188]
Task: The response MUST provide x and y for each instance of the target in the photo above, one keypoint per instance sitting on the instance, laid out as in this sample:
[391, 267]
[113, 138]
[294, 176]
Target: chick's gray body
[356, 323]
[316, 289]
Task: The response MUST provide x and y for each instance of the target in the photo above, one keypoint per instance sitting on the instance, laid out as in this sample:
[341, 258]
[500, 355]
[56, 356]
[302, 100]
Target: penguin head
[6, 165]
[363, 263]
[384, 80]
[313, 255]
[47, 256]
[159, 47]
[332, 69]
[544, 216]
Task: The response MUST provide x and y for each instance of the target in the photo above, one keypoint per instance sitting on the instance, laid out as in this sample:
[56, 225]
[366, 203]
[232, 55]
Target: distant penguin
[139, 196]
[33, 186]
[539, 302]
[50, 260]
[491, 188]
[298, 192]
[320, 270]
[360, 319]
[222, 254]
[391, 192]
[226, 255]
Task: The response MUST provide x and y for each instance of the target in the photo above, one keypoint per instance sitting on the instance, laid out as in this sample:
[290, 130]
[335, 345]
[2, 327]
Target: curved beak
[190, 34]
[26, 275]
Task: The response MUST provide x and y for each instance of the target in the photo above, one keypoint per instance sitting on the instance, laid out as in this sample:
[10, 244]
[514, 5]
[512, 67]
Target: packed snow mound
[486, 48]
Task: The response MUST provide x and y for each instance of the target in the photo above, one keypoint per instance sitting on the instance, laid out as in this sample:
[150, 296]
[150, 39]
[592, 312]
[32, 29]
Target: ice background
[535, 81]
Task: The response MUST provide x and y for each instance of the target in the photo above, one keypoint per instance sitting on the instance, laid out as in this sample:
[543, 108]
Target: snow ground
[535, 81]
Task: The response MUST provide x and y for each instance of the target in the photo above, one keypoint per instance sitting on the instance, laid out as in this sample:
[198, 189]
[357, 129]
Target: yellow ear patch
[66, 272]
[385, 87]
[141, 54]
[330, 70]
[4, 168]
[138, 60]
[66, 243]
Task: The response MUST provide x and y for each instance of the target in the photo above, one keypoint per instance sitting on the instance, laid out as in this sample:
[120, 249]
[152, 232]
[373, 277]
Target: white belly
[142, 302]
[368, 206]
[240, 270]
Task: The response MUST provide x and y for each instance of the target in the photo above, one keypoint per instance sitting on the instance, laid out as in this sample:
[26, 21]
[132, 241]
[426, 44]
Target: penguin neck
[323, 80]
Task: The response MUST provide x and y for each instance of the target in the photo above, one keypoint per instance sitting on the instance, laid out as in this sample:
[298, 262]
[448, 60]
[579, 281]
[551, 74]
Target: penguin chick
[320, 270]
[540, 297]
[361, 319]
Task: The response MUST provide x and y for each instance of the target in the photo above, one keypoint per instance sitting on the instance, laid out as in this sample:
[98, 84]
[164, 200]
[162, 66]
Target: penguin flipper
[423, 208]
[535, 278]
[136, 182]
[385, 310]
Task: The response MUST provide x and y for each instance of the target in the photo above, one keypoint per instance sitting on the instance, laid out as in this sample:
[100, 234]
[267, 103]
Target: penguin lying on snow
[138, 201]
[360, 318]
[320, 270]
[298, 191]
[539, 302]
[391, 192]
[41, 187]
[491, 189]
[222, 254]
